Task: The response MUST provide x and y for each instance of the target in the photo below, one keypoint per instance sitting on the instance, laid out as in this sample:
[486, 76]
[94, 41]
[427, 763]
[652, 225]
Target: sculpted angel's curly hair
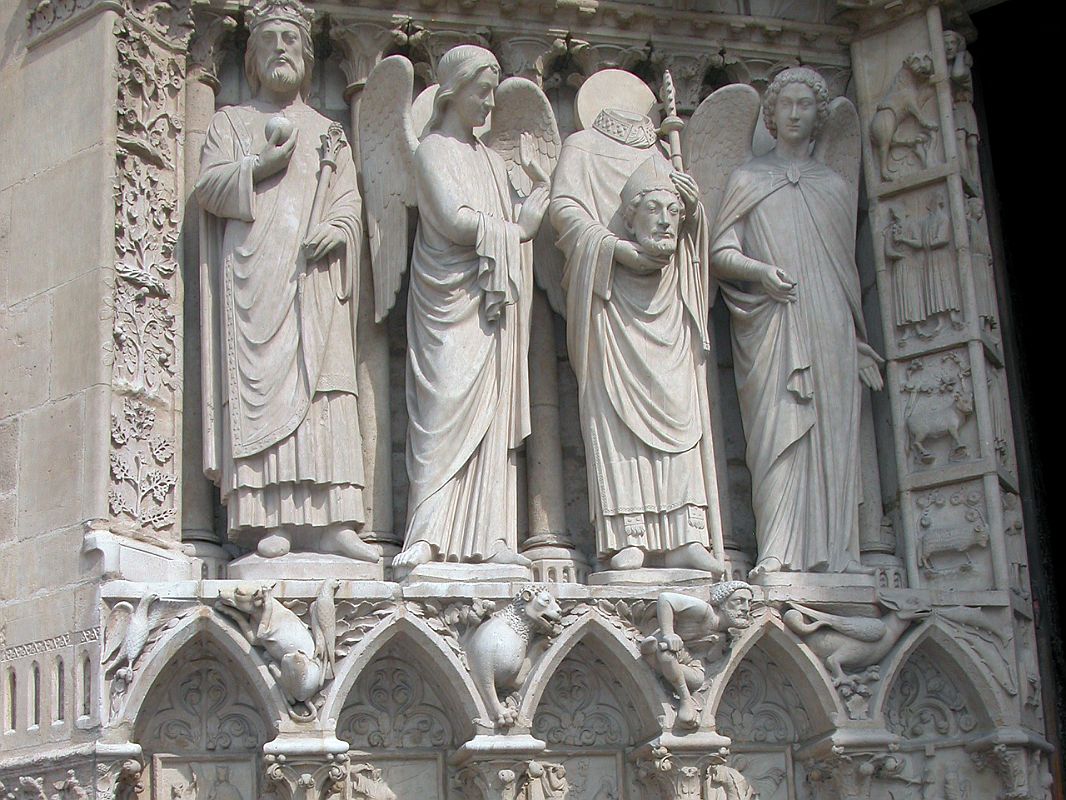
[808, 77]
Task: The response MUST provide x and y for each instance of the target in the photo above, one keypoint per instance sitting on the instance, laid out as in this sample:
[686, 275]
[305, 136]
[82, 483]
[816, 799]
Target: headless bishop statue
[636, 283]
[279, 244]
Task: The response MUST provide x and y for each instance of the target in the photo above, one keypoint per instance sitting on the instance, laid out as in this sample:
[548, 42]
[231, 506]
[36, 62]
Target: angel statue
[784, 249]
[480, 204]
[634, 235]
[280, 244]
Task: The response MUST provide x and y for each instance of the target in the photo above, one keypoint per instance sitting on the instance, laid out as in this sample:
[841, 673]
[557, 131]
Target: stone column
[199, 495]
[549, 545]
[362, 45]
[943, 373]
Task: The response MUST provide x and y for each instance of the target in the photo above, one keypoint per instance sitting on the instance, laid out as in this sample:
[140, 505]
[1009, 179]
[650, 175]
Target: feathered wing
[839, 145]
[522, 108]
[718, 139]
[115, 632]
[387, 145]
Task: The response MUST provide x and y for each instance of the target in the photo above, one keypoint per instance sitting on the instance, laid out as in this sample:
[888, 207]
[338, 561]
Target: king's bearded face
[654, 221]
[280, 61]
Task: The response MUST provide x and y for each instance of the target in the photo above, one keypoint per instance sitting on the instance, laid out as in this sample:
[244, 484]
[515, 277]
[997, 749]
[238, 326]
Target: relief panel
[952, 547]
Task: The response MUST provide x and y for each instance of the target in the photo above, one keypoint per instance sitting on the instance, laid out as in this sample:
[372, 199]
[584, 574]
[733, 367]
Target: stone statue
[783, 246]
[689, 628]
[499, 650]
[280, 244]
[300, 658]
[967, 132]
[469, 299]
[636, 282]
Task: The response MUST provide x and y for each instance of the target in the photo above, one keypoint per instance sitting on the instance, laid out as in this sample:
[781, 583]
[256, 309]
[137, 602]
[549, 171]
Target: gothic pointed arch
[595, 639]
[205, 632]
[202, 724]
[768, 700]
[411, 641]
[934, 690]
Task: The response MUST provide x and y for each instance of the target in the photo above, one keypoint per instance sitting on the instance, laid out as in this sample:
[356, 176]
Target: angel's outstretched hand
[532, 212]
[527, 156]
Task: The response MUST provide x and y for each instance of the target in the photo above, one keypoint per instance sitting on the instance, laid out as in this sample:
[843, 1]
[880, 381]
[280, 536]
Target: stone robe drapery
[468, 312]
[281, 425]
[638, 345]
[796, 364]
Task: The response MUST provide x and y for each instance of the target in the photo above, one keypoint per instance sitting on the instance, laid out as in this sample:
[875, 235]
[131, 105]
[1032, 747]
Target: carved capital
[592, 58]
[687, 69]
[430, 45]
[306, 777]
[363, 44]
[495, 779]
[849, 775]
[212, 32]
[1009, 765]
[531, 56]
[670, 776]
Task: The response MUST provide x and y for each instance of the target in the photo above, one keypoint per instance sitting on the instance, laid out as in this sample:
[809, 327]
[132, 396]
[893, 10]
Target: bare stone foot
[693, 556]
[503, 555]
[686, 713]
[628, 558]
[417, 554]
[764, 567]
[344, 541]
[274, 545]
[855, 568]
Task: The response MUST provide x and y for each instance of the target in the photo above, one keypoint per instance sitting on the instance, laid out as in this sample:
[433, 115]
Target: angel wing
[115, 632]
[387, 144]
[522, 108]
[839, 145]
[718, 139]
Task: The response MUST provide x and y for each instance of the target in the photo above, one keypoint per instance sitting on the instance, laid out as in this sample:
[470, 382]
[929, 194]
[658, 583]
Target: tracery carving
[393, 707]
[761, 704]
[583, 705]
[203, 708]
[925, 704]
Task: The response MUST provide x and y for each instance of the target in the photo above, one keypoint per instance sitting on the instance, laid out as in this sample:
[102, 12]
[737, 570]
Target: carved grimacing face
[655, 221]
[473, 103]
[280, 56]
[796, 113]
[736, 610]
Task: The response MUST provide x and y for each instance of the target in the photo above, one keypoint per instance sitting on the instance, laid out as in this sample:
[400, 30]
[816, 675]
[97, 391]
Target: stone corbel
[531, 55]
[119, 772]
[305, 776]
[363, 44]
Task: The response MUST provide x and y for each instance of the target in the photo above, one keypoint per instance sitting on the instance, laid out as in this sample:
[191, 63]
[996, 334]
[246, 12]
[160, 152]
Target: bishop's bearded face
[279, 56]
[655, 219]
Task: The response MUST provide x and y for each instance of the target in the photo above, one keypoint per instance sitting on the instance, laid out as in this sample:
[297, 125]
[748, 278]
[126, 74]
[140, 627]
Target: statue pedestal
[303, 567]
[451, 572]
[650, 576]
[815, 580]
